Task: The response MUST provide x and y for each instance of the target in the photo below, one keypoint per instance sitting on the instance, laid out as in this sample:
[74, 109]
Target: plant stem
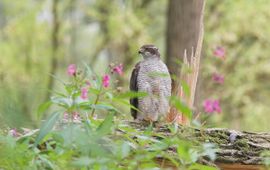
[93, 111]
[97, 99]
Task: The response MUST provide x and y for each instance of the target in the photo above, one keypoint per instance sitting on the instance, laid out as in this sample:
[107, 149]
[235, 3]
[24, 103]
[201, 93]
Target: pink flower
[71, 70]
[216, 106]
[106, 80]
[211, 106]
[118, 69]
[219, 52]
[13, 132]
[208, 107]
[218, 78]
[65, 117]
[76, 117]
[84, 93]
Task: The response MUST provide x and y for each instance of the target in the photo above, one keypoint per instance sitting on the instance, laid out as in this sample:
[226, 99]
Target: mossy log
[237, 150]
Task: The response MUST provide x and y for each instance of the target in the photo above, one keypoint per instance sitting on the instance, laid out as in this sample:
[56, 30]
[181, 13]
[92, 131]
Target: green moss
[216, 137]
[216, 140]
[242, 144]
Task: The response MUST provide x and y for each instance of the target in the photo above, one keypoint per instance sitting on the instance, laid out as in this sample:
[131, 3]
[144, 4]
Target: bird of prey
[151, 76]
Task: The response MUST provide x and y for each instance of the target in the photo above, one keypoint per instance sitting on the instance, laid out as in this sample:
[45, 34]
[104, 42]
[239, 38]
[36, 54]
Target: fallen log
[237, 150]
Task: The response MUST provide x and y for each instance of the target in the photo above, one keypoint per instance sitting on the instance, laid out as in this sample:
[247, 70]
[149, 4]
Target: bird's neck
[152, 58]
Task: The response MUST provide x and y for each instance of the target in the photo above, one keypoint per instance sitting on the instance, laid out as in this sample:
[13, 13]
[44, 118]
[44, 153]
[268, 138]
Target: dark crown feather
[151, 48]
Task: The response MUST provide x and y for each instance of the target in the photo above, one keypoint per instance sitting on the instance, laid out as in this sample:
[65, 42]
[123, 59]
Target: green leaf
[126, 103]
[62, 101]
[109, 95]
[94, 91]
[183, 151]
[69, 88]
[178, 61]
[158, 74]
[157, 146]
[131, 94]
[43, 107]
[174, 77]
[82, 161]
[84, 105]
[125, 150]
[46, 161]
[89, 70]
[180, 106]
[210, 150]
[58, 79]
[266, 157]
[194, 155]
[185, 88]
[171, 159]
[47, 127]
[59, 94]
[104, 107]
[105, 127]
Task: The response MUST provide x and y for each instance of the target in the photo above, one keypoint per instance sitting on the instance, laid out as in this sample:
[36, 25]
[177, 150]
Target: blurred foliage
[96, 144]
[73, 137]
[99, 32]
[239, 26]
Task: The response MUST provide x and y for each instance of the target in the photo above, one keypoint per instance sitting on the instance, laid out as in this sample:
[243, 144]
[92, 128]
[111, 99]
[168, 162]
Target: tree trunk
[184, 42]
[54, 44]
[183, 29]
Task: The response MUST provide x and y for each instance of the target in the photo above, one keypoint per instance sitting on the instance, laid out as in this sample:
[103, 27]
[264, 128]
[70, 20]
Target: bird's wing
[133, 86]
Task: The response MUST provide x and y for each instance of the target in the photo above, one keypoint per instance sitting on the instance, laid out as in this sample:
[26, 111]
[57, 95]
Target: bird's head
[149, 51]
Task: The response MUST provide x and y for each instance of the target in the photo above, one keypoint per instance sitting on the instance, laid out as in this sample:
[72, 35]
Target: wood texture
[184, 42]
[237, 149]
[244, 149]
[240, 167]
[54, 45]
[183, 27]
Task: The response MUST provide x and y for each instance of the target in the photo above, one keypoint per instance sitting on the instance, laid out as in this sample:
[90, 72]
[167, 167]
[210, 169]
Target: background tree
[184, 27]
[54, 44]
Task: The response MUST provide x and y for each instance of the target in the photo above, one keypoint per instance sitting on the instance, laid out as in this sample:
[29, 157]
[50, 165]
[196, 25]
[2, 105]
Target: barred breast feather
[151, 76]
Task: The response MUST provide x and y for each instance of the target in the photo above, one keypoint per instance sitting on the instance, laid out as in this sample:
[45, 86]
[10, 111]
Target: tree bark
[74, 22]
[183, 27]
[54, 44]
[236, 149]
[184, 32]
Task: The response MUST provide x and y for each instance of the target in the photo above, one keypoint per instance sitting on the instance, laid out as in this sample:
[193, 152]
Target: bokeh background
[42, 37]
